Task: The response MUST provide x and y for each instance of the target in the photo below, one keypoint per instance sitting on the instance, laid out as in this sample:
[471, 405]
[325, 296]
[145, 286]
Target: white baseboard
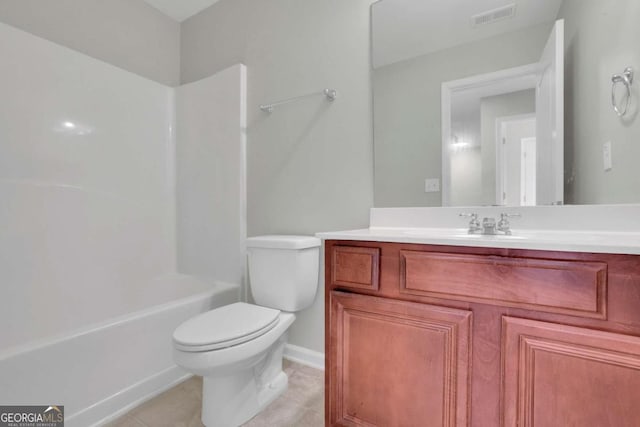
[304, 356]
[125, 400]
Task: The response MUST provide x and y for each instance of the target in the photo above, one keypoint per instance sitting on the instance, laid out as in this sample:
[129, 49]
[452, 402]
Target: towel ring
[626, 79]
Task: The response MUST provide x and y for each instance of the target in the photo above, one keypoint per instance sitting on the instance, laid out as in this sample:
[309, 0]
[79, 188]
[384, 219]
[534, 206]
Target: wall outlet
[431, 185]
[607, 156]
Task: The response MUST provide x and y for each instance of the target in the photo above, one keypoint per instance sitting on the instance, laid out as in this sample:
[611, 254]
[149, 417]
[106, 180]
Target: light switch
[607, 156]
[431, 185]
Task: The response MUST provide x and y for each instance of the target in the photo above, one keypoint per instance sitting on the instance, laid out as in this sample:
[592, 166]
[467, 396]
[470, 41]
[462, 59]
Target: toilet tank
[283, 271]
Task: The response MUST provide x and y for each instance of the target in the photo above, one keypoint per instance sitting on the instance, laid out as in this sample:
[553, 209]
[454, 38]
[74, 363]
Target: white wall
[601, 40]
[309, 163]
[86, 187]
[211, 176]
[465, 186]
[407, 115]
[127, 33]
[466, 177]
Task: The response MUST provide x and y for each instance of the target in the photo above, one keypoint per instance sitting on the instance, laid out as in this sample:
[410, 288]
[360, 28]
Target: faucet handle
[505, 216]
[504, 225]
[473, 216]
[474, 224]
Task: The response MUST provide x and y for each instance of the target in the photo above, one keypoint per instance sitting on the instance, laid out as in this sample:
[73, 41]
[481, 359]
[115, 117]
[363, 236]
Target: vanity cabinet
[397, 362]
[421, 335]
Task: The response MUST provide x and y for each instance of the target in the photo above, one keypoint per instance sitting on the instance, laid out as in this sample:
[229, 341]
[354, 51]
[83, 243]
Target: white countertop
[612, 242]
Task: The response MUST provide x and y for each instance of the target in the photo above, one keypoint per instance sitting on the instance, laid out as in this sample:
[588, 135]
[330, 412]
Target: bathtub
[107, 367]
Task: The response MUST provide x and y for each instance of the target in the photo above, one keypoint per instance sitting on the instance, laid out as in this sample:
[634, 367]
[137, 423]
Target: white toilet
[237, 349]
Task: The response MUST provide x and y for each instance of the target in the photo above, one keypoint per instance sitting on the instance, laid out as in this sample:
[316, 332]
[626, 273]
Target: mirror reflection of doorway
[516, 160]
[479, 102]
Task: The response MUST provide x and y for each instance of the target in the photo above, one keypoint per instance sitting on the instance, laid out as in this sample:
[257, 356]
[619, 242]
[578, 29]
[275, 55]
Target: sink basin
[553, 236]
[456, 233]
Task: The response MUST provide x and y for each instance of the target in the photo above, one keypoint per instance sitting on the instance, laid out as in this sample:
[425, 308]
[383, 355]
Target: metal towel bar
[330, 94]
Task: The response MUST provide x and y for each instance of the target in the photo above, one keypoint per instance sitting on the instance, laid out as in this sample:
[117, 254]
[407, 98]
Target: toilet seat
[225, 327]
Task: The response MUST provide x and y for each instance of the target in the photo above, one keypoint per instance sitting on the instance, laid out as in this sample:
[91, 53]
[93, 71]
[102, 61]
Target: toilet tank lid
[283, 242]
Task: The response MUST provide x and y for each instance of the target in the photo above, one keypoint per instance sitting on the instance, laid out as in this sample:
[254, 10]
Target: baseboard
[304, 356]
[125, 400]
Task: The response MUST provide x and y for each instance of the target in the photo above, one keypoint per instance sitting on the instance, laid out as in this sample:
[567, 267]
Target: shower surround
[91, 290]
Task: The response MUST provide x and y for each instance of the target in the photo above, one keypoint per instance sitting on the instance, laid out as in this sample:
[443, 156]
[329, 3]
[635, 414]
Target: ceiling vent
[494, 15]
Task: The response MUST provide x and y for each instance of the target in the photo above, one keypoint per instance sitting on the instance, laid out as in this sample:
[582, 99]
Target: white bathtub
[102, 370]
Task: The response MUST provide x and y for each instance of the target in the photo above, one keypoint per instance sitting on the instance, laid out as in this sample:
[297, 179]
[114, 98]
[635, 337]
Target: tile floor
[302, 405]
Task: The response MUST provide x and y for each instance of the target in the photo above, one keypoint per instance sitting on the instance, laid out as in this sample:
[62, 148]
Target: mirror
[502, 136]
[490, 102]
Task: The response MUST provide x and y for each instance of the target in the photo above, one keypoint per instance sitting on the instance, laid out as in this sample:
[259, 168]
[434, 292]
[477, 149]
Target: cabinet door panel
[395, 363]
[557, 375]
[355, 267]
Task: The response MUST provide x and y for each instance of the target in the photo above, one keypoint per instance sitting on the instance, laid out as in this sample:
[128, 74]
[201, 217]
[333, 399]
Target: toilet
[238, 348]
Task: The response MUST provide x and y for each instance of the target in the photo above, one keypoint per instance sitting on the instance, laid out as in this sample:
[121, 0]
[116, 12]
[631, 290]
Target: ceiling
[180, 9]
[403, 29]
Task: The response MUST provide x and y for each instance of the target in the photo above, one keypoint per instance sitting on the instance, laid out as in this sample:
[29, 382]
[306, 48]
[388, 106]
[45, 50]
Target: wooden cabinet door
[555, 375]
[397, 363]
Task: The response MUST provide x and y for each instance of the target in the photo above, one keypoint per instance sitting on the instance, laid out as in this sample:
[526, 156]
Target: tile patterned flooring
[302, 405]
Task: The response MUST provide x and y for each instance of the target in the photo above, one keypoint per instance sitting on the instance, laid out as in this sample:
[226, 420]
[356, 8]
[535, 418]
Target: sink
[456, 233]
[553, 236]
[451, 234]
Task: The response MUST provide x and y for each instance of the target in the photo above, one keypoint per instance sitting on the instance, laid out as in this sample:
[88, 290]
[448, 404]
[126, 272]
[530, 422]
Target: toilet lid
[225, 327]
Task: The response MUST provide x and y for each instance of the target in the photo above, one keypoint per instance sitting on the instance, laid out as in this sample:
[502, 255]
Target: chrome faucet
[489, 225]
[503, 224]
[474, 223]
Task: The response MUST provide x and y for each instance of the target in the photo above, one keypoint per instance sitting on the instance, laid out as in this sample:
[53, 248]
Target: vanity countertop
[611, 242]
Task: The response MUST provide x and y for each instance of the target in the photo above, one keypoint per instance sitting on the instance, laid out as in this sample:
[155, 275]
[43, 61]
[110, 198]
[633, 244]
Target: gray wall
[601, 39]
[129, 34]
[310, 165]
[407, 107]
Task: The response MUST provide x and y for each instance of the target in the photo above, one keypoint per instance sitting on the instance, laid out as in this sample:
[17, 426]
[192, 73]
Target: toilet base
[232, 400]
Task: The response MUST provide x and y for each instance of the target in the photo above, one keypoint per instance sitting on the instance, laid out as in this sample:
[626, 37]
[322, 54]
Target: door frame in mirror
[502, 164]
[526, 73]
